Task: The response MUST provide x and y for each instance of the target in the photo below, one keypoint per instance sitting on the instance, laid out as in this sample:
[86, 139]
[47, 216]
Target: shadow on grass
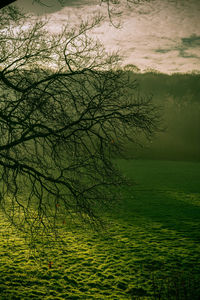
[164, 192]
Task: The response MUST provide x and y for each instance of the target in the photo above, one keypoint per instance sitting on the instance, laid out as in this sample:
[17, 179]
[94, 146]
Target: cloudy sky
[159, 34]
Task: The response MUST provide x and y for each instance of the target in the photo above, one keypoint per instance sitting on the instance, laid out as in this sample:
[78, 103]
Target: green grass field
[149, 249]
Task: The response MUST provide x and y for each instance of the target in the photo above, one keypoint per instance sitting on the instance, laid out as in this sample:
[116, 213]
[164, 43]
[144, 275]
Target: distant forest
[178, 95]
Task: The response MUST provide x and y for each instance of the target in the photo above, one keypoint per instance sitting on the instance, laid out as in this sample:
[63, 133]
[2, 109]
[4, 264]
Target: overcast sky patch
[162, 34]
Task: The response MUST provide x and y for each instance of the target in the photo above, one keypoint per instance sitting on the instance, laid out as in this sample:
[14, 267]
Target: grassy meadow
[150, 245]
[149, 248]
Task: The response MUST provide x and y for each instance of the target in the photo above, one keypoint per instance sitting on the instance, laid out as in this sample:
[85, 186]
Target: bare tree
[65, 110]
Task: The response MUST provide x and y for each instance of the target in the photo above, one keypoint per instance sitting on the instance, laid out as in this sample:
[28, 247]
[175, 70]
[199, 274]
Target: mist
[178, 96]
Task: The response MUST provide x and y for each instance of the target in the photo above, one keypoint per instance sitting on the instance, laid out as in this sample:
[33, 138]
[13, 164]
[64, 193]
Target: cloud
[162, 50]
[160, 34]
[192, 41]
[77, 3]
[52, 6]
[187, 47]
[185, 54]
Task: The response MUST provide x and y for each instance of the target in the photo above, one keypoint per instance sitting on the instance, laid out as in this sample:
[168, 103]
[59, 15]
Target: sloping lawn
[149, 249]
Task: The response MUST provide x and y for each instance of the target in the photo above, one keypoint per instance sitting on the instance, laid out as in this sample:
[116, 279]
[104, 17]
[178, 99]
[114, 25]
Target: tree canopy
[65, 111]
